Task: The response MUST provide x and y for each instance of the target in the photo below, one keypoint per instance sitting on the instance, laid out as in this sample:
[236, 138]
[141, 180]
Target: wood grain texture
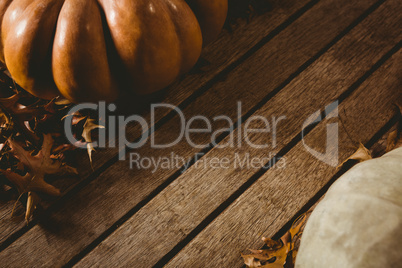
[275, 198]
[107, 199]
[193, 196]
[219, 55]
[6, 217]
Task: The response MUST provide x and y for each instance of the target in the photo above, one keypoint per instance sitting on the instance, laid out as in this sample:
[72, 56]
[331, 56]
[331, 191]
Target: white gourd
[359, 221]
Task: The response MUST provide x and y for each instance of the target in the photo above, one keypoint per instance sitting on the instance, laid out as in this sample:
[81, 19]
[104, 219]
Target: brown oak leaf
[361, 154]
[38, 166]
[21, 113]
[279, 252]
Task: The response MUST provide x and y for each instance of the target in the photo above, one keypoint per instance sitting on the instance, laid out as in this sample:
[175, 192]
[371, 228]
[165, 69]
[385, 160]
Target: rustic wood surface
[223, 53]
[185, 203]
[280, 193]
[292, 61]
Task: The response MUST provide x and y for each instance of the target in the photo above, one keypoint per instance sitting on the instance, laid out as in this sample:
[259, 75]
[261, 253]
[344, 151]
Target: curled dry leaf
[21, 113]
[3, 120]
[394, 139]
[278, 253]
[86, 134]
[361, 154]
[26, 113]
[32, 201]
[88, 125]
[38, 166]
[61, 101]
[5, 126]
[25, 158]
[41, 163]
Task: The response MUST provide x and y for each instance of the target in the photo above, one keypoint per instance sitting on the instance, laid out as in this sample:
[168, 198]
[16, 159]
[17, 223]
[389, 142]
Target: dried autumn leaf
[77, 119]
[361, 154]
[32, 202]
[277, 256]
[38, 166]
[61, 101]
[63, 148]
[250, 261]
[86, 134]
[3, 120]
[296, 230]
[272, 244]
[277, 253]
[5, 127]
[41, 163]
[394, 139]
[25, 118]
[28, 183]
[21, 113]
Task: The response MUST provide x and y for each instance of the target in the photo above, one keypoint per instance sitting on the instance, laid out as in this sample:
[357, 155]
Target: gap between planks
[377, 142]
[244, 41]
[364, 57]
[279, 194]
[104, 216]
[377, 145]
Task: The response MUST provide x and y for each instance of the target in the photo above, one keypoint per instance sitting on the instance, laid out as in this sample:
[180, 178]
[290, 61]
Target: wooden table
[292, 61]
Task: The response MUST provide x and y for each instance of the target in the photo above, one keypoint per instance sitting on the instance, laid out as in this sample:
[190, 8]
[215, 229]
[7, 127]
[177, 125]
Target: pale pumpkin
[359, 221]
[89, 50]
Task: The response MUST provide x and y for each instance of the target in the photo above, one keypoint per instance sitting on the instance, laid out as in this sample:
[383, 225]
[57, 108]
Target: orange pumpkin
[88, 50]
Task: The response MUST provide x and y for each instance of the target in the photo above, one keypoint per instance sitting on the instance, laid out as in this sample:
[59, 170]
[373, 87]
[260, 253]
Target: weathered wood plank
[221, 54]
[115, 194]
[275, 198]
[192, 197]
[6, 209]
[229, 48]
[377, 146]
